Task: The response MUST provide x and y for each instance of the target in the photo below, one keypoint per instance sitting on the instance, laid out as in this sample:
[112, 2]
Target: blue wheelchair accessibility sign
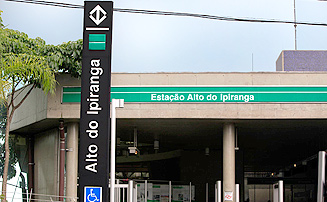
[93, 194]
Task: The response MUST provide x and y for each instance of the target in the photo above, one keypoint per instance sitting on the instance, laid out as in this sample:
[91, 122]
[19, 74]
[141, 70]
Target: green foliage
[1, 33]
[66, 57]
[2, 197]
[1, 25]
[22, 69]
[18, 52]
[16, 42]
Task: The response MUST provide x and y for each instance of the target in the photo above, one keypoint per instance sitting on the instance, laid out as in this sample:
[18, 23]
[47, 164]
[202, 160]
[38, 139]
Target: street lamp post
[295, 25]
[115, 103]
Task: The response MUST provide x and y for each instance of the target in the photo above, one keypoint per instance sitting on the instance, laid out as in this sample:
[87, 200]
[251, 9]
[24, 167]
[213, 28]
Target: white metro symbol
[92, 197]
[100, 14]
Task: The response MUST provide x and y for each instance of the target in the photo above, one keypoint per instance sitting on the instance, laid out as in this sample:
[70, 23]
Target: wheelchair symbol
[92, 197]
[93, 194]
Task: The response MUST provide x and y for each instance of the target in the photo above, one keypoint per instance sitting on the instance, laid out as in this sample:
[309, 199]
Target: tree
[26, 64]
[23, 67]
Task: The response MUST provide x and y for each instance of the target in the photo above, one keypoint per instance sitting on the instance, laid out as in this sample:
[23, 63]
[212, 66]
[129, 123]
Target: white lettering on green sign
[207, 94]
[165, 97]
[202, 97]
[233, 97]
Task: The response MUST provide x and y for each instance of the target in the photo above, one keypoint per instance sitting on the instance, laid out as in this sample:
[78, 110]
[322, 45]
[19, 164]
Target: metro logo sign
[98, 15]
[95, 102]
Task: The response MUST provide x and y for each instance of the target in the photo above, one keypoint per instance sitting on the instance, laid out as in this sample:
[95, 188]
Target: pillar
[72, 161]
[321, 175]
[280, 191]
[31, 164]
[229, 161]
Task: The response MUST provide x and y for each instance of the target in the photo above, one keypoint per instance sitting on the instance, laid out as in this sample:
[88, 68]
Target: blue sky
[148, 43]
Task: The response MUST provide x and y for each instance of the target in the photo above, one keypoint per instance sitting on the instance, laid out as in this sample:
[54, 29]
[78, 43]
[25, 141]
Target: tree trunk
[7, 153]
[11, 108]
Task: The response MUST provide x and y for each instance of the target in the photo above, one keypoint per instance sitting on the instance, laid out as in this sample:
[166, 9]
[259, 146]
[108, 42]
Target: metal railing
[161, 190]
[33, 197]
[138, 191]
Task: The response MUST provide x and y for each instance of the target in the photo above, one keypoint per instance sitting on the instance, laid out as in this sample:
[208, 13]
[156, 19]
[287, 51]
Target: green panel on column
[97, 42]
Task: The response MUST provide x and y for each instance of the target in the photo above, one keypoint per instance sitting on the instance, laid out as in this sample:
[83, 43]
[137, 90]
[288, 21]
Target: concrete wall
[55, 108]
[46, 154]
[279, 62]
[223, 111]
[33, 110]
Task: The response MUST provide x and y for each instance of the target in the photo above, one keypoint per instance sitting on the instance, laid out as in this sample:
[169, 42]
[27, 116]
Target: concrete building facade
[302, 60]
[257, 128]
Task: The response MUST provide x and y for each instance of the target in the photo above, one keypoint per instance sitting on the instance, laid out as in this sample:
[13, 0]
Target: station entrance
[184, 151]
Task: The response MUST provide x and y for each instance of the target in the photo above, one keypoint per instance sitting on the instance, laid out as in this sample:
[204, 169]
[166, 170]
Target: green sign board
[97, 42]
[209, 94]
